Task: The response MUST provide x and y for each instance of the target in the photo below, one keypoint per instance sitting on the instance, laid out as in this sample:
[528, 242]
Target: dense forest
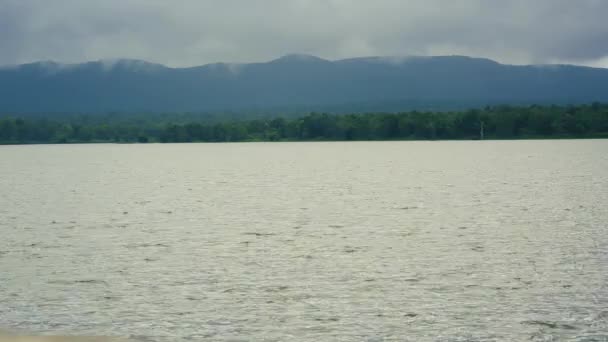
[497, 122]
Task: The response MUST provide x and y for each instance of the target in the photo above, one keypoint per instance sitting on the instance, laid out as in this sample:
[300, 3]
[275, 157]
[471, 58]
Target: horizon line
[395, 59]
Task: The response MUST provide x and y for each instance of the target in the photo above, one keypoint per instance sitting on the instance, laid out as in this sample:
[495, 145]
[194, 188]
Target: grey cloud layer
[194, 32]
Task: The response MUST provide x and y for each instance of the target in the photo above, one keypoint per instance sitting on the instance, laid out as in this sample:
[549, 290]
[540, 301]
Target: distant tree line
[497, 122]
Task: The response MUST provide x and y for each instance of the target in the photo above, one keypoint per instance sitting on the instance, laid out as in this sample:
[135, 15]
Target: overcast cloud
[195, 32]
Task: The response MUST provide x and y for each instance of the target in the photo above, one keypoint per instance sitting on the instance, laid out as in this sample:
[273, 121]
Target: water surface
[365, 241]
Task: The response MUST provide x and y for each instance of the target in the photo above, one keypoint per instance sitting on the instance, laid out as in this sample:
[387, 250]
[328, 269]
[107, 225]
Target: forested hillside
[295, 83]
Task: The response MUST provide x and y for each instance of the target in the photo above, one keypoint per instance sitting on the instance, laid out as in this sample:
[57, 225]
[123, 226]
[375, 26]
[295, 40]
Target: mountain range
[294, 82]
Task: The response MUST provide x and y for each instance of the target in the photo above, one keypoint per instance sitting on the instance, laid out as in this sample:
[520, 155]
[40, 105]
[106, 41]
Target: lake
[336, 241]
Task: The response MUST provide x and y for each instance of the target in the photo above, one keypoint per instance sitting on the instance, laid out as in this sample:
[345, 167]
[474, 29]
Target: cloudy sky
[194, 32]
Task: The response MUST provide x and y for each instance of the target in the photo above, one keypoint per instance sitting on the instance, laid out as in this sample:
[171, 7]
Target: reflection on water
[383, 241]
